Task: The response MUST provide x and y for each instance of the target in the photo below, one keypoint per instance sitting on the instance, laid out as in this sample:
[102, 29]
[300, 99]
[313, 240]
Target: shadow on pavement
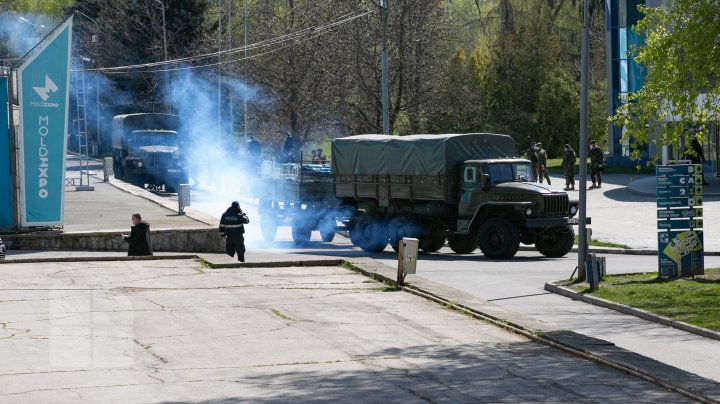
[479, 372]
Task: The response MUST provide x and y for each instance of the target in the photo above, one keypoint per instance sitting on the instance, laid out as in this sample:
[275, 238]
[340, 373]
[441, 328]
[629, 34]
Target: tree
[683, 83]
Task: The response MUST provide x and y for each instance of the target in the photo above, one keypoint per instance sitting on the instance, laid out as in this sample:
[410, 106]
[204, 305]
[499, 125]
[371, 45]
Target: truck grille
[556, 205]
[158, 159]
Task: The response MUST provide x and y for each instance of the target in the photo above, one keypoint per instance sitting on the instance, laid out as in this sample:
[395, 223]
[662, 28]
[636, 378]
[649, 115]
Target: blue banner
[6, 208]
[44, 81]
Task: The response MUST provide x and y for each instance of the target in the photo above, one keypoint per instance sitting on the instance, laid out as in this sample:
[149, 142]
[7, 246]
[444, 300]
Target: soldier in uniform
[596, 165]
[232, 229]
[532, 155]
[568, 167]
[542, 164]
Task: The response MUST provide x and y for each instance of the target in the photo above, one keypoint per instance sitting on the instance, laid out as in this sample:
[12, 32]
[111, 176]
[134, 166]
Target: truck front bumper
[554, 222]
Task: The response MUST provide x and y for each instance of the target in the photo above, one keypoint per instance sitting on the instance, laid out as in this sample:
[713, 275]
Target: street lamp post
[164, 46]
[582, 242]
[384, 63]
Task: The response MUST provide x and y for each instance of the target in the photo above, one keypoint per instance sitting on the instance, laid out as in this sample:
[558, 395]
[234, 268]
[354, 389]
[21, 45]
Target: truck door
[470, 191]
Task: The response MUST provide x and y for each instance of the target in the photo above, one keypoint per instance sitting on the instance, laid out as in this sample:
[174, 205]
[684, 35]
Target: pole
[219, 82]
[14, 150]
[167, 87]
[384, 62]
[245, 39]
[582, 244]
[230, 93]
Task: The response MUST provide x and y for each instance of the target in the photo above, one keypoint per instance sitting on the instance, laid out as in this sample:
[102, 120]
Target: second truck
[466, 189]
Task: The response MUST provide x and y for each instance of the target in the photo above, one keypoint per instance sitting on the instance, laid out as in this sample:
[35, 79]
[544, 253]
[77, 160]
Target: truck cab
[501, 205]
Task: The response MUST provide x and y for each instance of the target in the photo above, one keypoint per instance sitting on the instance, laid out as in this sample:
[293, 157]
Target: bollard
[183, 198]
[107, 168]
[407, 258]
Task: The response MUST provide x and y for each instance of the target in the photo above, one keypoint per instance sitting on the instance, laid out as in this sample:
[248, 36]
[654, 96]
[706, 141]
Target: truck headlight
[573, 210]
[139, 164]
[528, 212]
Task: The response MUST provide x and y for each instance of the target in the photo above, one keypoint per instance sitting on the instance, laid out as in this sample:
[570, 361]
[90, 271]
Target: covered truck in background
[467, 189]
[147, 150]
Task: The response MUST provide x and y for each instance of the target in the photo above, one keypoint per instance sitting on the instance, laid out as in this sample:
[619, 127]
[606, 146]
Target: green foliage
[681, 54]
[51, 8]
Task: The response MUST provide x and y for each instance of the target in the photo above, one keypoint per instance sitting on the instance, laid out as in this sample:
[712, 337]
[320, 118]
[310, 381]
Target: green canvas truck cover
[424, 155]
[122, 125]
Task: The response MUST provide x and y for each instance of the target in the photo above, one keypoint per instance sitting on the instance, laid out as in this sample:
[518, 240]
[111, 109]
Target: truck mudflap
[554, 222]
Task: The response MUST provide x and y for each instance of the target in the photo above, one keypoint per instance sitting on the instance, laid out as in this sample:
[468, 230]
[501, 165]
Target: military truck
[147, 149]
[467, 189]
[297, 195]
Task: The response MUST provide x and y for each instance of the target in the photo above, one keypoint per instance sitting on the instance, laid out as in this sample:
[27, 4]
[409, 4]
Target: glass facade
[625, 74]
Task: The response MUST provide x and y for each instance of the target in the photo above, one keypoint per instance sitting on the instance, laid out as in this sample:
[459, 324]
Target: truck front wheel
[463, 243]
[327, 228]
[556, 242]
[499, 239]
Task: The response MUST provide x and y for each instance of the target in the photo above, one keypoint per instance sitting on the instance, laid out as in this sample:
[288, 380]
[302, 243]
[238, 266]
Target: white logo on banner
[50, 87]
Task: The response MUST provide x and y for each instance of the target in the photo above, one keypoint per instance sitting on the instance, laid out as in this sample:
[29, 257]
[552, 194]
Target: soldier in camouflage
[542, 164]
[596, 165]
[568, 167]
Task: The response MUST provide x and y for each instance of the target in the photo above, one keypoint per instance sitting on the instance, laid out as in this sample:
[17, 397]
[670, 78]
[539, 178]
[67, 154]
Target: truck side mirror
[485, 181]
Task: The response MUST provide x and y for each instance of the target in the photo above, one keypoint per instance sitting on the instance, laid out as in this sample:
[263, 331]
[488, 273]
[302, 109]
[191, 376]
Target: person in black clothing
[253, 148]
[289, 149]
[139, 238]
[698, 156]
[232, 229]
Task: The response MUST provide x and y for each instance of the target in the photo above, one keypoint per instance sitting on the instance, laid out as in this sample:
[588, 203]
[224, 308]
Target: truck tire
[499, 239]
[171, 188]
[268, 227]
[371, 233]
[432, 243]
[135, 180]
[327, 228]
[463, 243]
[556, 242]
[402, 226]
[301, 235]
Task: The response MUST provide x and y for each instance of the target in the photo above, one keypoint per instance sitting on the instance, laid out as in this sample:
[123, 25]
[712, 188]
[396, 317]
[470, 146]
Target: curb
[625, 309]
[98, 259]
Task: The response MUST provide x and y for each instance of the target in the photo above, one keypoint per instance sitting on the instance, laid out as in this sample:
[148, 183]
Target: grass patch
[281, 315]
[693, 301]
[600, 243]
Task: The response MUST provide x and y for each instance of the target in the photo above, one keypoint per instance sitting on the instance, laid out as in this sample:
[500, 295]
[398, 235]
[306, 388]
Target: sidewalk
[174, 331]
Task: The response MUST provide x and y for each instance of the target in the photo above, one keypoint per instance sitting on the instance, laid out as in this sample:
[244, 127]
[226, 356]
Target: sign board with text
[679, 203]
[43, 82]
[680, 253]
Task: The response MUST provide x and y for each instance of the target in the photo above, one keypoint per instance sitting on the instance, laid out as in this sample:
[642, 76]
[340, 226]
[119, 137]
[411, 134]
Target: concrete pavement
[174, 331]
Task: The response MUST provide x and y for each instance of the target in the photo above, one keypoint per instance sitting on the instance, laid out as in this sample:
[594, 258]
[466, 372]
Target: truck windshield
[141, 139]
[508, 172]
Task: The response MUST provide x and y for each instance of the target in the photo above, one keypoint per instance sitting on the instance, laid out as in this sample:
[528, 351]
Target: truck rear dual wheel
[499, 239]
[327, 227]
[301, 235]
[556, 242]
[370, 233]
[463, 243]
[432, 243]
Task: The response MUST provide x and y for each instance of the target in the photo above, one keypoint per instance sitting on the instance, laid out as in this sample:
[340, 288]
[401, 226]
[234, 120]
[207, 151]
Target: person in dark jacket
[232, 229]
[139, 238]
[697, 156]
[289, 149]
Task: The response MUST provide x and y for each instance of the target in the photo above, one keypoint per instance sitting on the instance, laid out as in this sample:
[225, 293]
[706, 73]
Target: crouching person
[232, 229]
[139, 238]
